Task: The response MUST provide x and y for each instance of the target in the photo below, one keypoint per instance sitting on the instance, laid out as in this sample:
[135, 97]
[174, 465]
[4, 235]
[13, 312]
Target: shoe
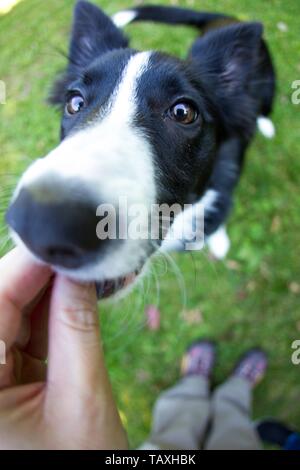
[199, 359]
[252, 366]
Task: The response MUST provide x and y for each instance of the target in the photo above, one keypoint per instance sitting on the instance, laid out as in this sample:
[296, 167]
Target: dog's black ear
[226, 61]
[93, 33]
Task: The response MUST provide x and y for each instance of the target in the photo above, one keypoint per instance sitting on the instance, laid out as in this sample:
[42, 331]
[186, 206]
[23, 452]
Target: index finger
[21, 279]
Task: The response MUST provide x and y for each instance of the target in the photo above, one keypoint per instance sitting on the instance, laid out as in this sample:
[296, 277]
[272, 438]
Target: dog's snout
[61, 255]
[56, 223]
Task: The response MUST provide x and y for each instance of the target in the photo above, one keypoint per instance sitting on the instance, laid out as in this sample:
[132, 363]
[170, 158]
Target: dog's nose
[56, 224]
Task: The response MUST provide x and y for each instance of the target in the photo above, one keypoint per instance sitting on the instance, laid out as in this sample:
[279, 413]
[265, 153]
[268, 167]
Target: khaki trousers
[187, 417]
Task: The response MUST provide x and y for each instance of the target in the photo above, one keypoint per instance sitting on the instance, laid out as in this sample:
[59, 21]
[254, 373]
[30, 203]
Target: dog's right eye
[74, 104]
[183, 112]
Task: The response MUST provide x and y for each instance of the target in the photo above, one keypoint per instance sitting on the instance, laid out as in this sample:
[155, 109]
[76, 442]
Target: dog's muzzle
[57, 223]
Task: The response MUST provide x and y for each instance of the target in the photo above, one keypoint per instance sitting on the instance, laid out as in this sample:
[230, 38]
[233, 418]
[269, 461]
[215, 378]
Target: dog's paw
[219, 243]
[266, 127]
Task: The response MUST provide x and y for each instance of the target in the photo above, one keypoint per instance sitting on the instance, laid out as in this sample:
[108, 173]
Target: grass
[253, 298]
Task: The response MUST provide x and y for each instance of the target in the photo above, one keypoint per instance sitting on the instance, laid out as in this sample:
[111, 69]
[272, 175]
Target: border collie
[145, 126]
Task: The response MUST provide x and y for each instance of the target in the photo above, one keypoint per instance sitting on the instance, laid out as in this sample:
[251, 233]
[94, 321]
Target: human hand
[67, 403]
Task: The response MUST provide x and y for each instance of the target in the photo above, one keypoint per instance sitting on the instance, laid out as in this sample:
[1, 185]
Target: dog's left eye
[184, 113]
[74, 104]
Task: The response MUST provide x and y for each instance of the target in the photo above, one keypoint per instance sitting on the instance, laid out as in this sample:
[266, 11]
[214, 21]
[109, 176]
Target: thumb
[75, 353]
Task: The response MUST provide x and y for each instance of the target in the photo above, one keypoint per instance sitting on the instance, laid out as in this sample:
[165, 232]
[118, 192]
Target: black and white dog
[146, 126]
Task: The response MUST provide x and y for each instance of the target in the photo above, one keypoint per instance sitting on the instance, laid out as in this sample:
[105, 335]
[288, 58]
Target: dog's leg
[216, 203]
[266, 127]
[219, 243]
[218, 198]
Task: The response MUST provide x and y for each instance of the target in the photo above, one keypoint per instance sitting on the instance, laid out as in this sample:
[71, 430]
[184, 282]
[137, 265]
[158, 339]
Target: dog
[148, 127]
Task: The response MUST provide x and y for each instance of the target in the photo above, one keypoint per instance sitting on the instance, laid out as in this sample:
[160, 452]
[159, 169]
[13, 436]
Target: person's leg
[181, 414]
[231, 426]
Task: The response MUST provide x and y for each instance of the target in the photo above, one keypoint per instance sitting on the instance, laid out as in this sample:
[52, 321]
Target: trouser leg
[181, 415]
[232, 427]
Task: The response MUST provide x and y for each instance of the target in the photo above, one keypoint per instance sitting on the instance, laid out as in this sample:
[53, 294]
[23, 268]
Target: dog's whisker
[157, 285]
[125, 325]
[180, 279]
[161, 262]
[177, 272]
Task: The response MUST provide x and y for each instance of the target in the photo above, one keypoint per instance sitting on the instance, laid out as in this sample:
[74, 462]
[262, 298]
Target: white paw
[187, 231]
[123, 18]
[266, 127]
[219, 243]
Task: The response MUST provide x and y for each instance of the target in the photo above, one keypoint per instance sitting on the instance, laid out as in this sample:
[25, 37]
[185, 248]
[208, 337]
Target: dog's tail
[168, 15]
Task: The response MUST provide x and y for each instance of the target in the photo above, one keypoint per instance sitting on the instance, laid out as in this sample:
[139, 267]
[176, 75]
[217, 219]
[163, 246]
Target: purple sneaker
[199, 359]
[252, 366]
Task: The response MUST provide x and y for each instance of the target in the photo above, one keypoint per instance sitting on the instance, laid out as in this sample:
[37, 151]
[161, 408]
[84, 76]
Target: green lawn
[253, 298]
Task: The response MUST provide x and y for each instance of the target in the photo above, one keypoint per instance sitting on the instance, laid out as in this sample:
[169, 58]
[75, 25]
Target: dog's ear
[93, 34]
[226, 60]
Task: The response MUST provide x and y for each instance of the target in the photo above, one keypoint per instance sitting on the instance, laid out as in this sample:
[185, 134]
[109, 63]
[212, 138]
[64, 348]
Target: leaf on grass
[275, 225]
[294, 287]
[233, 265]
[142, 376]
[241, 294]
[283, 27]
[192, 317]
[153, 317]
[251, 286]
[265, 270]
[123, 418]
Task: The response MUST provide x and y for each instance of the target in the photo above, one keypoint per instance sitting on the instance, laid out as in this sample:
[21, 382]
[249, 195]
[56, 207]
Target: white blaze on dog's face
[97, 164]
